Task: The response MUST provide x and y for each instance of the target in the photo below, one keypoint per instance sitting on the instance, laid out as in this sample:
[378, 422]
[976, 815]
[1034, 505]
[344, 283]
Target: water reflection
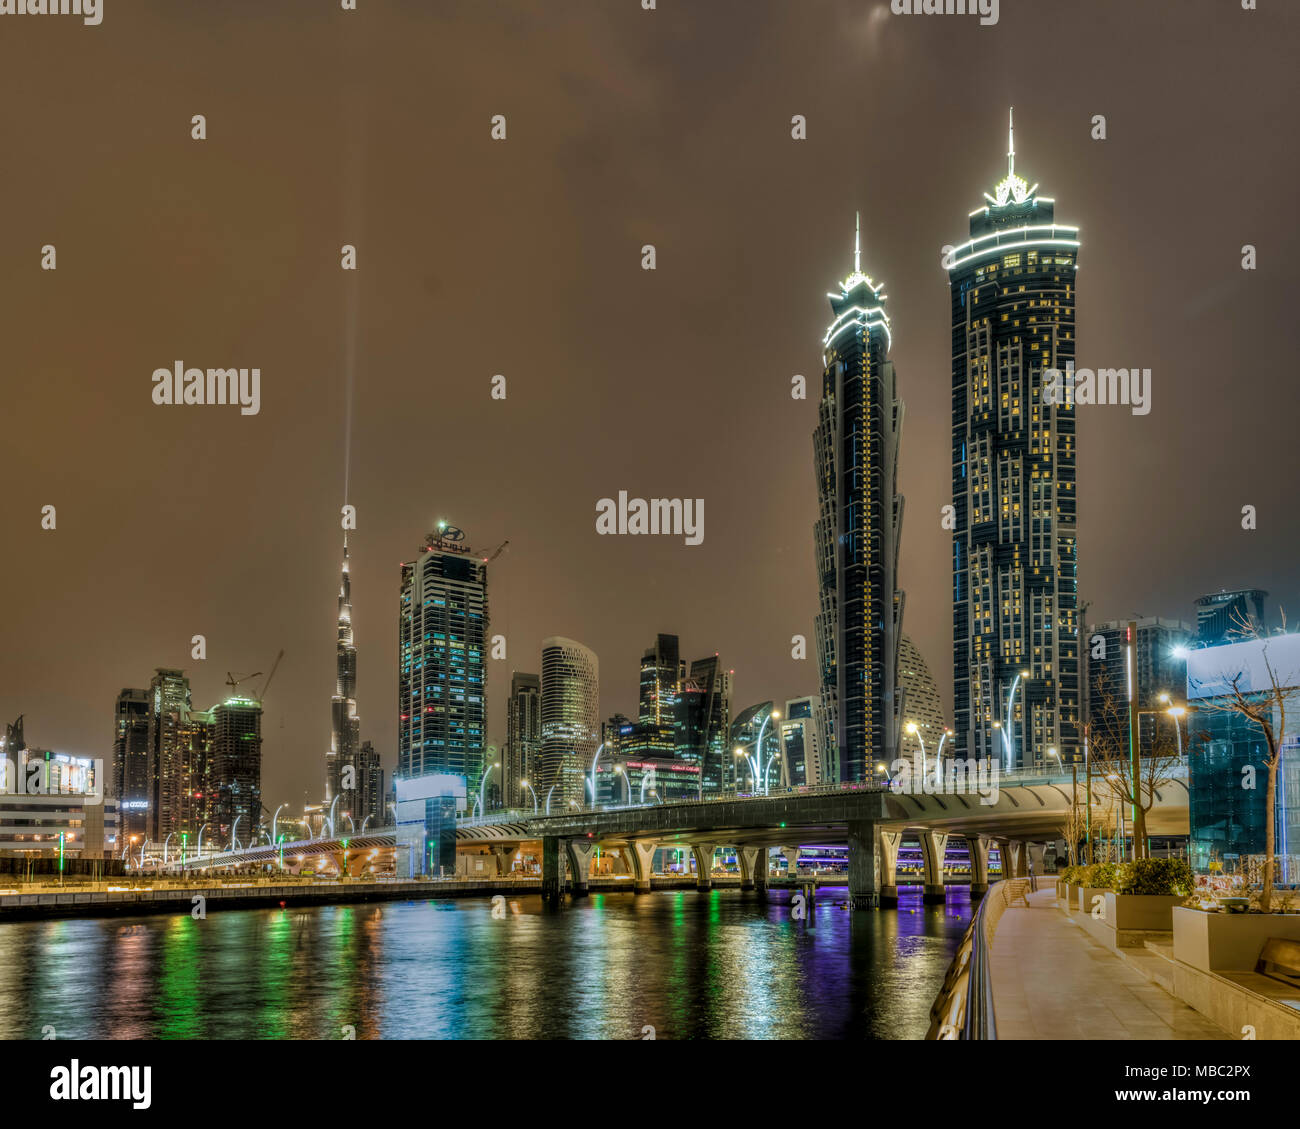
[722, 964]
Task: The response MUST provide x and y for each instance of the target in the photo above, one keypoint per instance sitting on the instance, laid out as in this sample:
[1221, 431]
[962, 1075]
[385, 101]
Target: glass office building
[1227, 773]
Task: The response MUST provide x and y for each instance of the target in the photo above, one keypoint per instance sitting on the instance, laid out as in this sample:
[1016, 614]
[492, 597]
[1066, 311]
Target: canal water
[718, 965]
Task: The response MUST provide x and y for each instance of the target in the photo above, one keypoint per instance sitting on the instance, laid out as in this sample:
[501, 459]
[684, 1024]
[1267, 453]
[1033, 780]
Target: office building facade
[523, 739]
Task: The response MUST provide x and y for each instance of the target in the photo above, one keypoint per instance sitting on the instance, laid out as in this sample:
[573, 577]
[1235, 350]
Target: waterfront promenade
[1051, 980]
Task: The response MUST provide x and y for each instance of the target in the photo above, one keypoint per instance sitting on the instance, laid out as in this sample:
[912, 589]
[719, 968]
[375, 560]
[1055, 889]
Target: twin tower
[1011, 514]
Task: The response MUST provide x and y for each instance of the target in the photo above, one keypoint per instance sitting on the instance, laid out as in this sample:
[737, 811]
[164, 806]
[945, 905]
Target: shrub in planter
[1154, 876]
[1098, 876]
[1070, 875]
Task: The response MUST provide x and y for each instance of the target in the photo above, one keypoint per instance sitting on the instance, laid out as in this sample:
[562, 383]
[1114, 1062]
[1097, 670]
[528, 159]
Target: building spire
[857, 242]
[1011, 141]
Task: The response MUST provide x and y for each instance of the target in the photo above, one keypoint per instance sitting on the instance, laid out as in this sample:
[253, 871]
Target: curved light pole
[915, 730]
[365, 821]
[595, 761]
[1054, 753]
[1175, 712]
[331, 815]
[482, 801]
[165, 842]
[234, 842]
[530, 788]
[548, 798]
[1008, 743]
[201, 830]
[275, 821]
[352, 822]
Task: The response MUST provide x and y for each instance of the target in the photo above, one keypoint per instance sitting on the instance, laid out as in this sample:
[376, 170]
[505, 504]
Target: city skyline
[1155, 542]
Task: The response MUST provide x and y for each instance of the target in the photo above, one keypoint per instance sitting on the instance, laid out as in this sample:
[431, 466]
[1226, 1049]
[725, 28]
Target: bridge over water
[1026, 809]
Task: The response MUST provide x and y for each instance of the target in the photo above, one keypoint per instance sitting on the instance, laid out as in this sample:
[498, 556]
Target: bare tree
[1113, 769]
[1265, 708]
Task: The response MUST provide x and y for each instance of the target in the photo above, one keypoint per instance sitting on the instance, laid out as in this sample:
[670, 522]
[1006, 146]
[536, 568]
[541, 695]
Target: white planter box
[1228, 942]
[1086, 894]
[1152, 912]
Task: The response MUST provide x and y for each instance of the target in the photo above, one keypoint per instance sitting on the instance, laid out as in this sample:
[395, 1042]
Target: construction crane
[496, 552]
[234, 682]
[266, 685]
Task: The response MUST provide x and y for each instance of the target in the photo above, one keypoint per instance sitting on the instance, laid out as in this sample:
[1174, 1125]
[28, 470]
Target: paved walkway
[1051, 980]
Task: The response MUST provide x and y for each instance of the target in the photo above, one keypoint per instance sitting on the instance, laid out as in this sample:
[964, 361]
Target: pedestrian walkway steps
[1051, 980]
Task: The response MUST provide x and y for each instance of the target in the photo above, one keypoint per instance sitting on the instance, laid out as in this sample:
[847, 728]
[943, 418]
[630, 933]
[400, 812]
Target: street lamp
[548, 798]
[1175, 712]
[331, 815]
[234, 842]
[482, 787]
[1007, 740]
[530, 788]
[274, 820]
[165, 842]
[1054, 753]
[912, 728]
[595, 761]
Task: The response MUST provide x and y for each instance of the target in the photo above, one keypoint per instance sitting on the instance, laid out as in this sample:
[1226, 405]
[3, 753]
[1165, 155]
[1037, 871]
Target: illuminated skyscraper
[169, 694]
[523, 738]
[237, 769]
[442, 670]
[131, 780]
[570, 720]
[1015, 629]
[859, 523]
[345, 725]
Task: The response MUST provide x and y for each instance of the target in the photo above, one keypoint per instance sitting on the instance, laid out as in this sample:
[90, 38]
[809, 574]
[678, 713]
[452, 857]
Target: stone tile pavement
[1051, 980]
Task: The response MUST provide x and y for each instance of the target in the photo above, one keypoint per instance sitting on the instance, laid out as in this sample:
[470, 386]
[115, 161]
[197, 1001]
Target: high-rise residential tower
[704, 724]
[442, 667]
[131, 781]
[859, 523]
[523, 739]
[169, 693]
[345, 725]
[1152, 663]
[236, 756]
[1015, 629]
[570, 720]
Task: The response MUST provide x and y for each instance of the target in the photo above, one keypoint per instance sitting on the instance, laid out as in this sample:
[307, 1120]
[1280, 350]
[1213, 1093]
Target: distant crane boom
[266, 685]
[496, 552]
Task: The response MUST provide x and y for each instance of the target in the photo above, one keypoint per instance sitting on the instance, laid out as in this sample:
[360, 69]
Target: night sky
[523, 257]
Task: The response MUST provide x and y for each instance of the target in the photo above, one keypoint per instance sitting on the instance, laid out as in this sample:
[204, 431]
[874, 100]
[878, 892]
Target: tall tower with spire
[856, 536]
[1015, 629]
[345, 725]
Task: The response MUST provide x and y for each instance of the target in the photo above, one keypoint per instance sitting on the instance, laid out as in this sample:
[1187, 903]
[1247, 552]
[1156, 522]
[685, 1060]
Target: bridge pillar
[1011, 861]
[887, 845]
[753, 867]
[551, 868]
[505, 858]
[703, 853]
[641, 855]
[933, 845]
[1035, 853]
[864, 881]
[791, 860]
[581, 852]
[979, 864]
